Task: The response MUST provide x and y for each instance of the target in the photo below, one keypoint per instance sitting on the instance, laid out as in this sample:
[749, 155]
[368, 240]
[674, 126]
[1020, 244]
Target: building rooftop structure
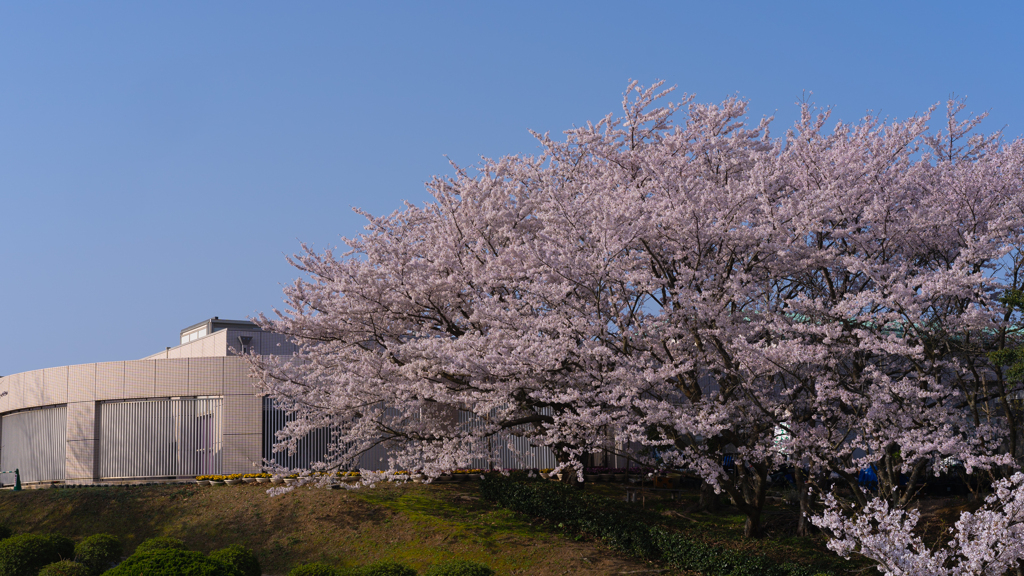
[206, 327]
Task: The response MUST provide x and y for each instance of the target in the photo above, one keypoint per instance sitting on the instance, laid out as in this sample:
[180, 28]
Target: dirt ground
[414, 524]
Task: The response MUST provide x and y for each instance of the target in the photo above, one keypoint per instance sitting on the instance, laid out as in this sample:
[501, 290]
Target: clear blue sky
[159, 159]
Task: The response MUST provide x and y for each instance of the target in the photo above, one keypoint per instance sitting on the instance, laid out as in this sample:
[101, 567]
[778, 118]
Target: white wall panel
[33, 441]
[506, 450]
[165, 437]
[209, 345]
[218, 342]
[206, 346]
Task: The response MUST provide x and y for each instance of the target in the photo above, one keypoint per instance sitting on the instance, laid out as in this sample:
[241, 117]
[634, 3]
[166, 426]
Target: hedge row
[172, 562]
[51, 555]
[626, 529]
[26, 554]
[99, 552]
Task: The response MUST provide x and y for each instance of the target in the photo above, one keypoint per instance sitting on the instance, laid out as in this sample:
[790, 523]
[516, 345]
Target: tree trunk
[570, 477]
[748, 489]
[708, 498]
[803, 524]
[752, 527]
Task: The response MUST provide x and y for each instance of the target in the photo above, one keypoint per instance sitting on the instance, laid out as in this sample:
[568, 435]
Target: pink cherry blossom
[675, 281]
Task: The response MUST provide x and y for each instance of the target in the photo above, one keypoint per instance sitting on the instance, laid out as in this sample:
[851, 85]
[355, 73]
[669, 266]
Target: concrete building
[188, 410]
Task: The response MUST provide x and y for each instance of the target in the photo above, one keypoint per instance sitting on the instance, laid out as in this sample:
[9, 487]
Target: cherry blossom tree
[677, 279]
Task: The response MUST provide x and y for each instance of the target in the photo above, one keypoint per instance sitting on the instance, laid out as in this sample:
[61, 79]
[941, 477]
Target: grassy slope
[412, 523]
[725, 528]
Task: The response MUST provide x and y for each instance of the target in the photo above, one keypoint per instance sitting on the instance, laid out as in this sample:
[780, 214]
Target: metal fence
[33, 441]
[160, 438]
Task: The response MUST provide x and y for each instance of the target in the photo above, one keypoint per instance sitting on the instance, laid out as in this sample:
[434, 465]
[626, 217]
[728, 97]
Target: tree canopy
[676, 278]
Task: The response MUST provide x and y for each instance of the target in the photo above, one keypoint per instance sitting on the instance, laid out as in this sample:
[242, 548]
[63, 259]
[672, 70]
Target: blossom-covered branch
[676, 282]
[987, 542]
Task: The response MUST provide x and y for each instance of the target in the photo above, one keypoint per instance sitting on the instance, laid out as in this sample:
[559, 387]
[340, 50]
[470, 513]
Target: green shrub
[386, 568]
[171, 562]
[66, 568]
[241, 558]
[458, 568]
[5, 532]
[26, 554]
[626, 529]
[160, 543]
[99, 552]
[314, 569]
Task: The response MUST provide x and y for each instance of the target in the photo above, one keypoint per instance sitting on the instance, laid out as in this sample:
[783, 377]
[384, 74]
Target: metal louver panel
[507, 449]
[33, 442]
[311, 448]
[165, 437]
[314, 446]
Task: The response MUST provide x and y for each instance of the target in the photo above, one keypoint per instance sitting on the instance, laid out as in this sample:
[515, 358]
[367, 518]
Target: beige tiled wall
[110, 377]
[55, 385]
[236, 377]
[11, 385]
[171, 377]
[243, 453]
[81, 382]
[80, 454]
[81, 421]
[239, 411]
[205, 376]
[32, 389]
[139, 380]
[80, 467]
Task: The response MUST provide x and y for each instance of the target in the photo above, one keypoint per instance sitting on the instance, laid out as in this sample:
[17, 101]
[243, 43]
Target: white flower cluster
[987, 542]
